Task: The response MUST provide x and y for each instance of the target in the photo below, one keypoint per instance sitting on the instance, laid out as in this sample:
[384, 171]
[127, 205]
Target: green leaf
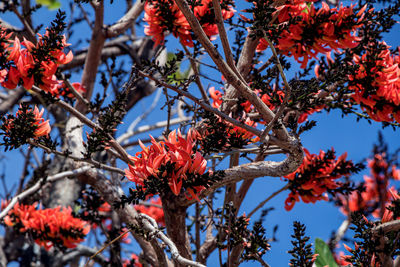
[179, 75]
[325, 257]
[50, 4]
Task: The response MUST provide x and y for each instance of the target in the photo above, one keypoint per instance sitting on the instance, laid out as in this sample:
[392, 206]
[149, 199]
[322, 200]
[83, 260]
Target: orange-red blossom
[314, 177]
[318, 30]
[155, 212]
[175, 150]
[42, 127]
[217, 95]
[376, 190]
[48, 226]
[380, 98]
[158, 22]
[23, 61]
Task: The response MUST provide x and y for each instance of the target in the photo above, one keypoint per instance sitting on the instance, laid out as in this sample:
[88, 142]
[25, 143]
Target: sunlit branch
[254, 170]
[33, 189]
[150, 225]
[127, 20]
[146, 128]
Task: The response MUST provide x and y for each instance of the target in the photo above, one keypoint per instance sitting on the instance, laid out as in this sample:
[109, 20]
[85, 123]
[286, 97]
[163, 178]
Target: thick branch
[257, 169]
[127, 20]
[94, 53]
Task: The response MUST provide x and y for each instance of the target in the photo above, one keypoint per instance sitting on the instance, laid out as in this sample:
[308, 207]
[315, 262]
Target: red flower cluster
[63, 90]
[176, 151]
[48, 227]
[216, 96]
[376, 84]
[134, 262]
[317, 30]
[316, 175]
[164, 17]
[28, 66]
[157, 213]
[376, 190]
[42, 127]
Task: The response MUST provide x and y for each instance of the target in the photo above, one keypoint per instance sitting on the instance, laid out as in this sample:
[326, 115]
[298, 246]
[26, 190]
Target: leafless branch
[94, 54]
[38, 185]
[203, 105]
[150, 225]
[127, 20]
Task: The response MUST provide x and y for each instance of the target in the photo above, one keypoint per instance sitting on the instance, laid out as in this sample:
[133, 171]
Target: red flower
[315, 176]
[48, 226]
[42, 127]
[277, 95]
[318, 30]
[174, 150]
[157, 213]
[381, 97]
[375, 185]
[64, 91]
[28, 66]
[162, 21]
[134, 262]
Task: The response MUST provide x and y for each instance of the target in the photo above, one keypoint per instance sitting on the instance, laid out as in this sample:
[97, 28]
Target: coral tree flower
[175, 150]
[376, 191]
[48, 226]
[63, 90]
[42, 127]
[217, 95]
[134, 262]
[26, 64]
[376, 84]
[316, 175]
[154, 210]
[164, 16]
[316, 31]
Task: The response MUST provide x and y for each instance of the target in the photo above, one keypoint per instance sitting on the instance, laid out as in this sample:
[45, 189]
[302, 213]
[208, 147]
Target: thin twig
[142, 116]
[106, 246]
[262, 203]
[224, 38]
[194, 67]
[88, 160]
[202, 104]
[287, 91]
[147, 128]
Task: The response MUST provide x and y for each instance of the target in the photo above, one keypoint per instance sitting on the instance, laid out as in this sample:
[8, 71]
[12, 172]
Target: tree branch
[39, 185]
[127, 20]
[94, 54]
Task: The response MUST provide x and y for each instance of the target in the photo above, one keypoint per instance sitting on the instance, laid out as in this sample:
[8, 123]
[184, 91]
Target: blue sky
[344, 134]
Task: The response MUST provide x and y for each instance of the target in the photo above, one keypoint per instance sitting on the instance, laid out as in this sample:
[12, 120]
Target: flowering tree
[92, 192]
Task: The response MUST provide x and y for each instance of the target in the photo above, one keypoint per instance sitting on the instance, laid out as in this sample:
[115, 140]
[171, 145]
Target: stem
[262, 203]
